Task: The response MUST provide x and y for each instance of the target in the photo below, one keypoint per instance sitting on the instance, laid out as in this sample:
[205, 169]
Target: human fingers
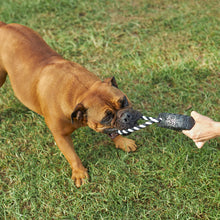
[200, 144]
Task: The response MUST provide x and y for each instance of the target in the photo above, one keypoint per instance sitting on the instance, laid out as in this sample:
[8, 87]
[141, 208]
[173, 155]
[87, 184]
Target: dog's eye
[124, 102]
[108, 118]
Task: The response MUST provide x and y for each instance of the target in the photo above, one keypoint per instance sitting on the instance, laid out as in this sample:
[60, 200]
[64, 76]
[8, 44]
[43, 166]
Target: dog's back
[23, 54]
[26, 44]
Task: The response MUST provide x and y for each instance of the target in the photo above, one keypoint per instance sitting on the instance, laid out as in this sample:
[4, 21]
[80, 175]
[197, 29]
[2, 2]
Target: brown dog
[67, 95]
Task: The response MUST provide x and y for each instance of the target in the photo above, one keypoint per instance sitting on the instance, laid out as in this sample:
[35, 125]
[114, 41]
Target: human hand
[204, 129]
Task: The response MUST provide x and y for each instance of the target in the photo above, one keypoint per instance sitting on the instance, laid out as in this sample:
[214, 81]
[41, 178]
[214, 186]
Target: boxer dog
[66, 94]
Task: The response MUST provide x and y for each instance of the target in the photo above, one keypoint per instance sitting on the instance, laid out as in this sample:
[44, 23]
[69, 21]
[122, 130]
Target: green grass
[165, 57]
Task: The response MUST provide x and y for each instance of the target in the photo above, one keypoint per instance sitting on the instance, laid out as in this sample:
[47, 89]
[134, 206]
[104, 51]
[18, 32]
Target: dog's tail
[2, 23]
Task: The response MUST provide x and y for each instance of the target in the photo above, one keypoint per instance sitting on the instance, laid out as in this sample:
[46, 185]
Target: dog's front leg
[79, 172]
[125, 144]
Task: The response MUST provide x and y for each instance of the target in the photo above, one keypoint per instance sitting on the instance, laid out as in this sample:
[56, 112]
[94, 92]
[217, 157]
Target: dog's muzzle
[126, 118]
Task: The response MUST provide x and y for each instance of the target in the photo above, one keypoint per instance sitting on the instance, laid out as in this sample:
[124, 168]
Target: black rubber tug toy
[165, 120]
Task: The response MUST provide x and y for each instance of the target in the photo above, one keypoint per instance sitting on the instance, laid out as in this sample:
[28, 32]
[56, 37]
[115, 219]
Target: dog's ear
[79, 113]
[111, 81]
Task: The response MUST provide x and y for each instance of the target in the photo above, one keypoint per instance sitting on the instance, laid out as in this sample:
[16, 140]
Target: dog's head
[106, 109]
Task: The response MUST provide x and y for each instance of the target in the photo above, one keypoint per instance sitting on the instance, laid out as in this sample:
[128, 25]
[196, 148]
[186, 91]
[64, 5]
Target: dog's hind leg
[3, 73]
[3, 76]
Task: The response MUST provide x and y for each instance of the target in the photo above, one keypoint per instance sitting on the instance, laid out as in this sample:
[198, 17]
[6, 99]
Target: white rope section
[149, 121]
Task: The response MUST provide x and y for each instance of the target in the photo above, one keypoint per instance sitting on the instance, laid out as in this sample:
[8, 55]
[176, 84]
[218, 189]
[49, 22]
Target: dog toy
[165, 120]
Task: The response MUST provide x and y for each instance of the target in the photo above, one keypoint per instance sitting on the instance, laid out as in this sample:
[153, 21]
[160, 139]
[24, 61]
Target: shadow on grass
[13, 111]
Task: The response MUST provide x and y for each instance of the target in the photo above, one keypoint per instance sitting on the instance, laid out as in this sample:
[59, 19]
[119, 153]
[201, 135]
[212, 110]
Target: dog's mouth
[111, 132]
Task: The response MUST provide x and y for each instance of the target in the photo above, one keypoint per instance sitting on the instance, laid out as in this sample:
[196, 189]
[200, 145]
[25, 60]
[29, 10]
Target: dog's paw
[125, 144]
[80, 176]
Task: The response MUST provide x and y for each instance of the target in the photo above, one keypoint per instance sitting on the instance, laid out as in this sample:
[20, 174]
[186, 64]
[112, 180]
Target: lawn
[164, 55]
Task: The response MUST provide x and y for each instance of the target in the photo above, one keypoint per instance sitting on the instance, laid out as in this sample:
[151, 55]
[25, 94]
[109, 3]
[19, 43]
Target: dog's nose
[126, 117]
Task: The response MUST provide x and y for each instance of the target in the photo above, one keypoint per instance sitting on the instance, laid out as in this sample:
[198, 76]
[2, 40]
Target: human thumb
[199, 144]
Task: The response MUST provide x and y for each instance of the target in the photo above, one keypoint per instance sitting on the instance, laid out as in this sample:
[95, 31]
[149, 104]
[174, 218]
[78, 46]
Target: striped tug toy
[165, 120]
